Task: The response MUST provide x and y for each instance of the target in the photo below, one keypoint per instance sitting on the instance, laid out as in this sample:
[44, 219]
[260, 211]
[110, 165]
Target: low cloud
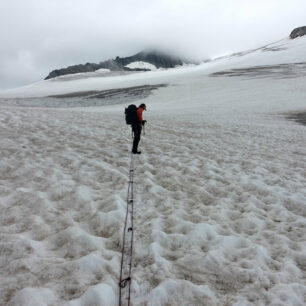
[39, 36]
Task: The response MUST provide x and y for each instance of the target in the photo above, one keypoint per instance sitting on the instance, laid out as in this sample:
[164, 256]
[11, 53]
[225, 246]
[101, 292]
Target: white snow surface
[142, 65]
[103, 70]
[220, 189]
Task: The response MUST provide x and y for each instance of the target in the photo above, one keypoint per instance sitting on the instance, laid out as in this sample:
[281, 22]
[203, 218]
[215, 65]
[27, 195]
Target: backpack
[131, 114]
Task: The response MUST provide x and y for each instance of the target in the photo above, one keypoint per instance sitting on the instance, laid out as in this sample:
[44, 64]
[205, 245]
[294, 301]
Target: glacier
[220, 188]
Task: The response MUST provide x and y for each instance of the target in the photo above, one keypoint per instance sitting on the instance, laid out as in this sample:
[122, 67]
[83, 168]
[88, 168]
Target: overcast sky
[38, 36]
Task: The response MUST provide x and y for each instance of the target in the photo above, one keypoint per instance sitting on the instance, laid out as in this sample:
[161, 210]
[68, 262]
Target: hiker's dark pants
[137, 132]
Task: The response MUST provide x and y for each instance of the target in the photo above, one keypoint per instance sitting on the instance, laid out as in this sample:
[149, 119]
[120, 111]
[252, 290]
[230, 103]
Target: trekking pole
[144, 131]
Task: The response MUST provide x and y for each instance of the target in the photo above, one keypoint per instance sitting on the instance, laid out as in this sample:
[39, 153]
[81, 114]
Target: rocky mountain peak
[297, 32]
[157, 58]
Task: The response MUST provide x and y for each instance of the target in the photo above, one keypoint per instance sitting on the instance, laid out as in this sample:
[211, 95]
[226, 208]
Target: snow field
[229, 218]
[54, 233]
[220, 214]
[220, 199]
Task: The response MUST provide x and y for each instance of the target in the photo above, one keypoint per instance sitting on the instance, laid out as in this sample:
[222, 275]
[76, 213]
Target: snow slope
[220, 211]
[141, 65]
[283, 52]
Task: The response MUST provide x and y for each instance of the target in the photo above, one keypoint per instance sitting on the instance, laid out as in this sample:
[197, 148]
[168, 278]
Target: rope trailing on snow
[127, 249]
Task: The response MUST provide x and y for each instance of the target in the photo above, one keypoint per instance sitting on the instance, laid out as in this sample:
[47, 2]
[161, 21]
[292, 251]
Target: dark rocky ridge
[158, 59]
[280, 71]
[298, 117]
[297, 32]
[125, 95]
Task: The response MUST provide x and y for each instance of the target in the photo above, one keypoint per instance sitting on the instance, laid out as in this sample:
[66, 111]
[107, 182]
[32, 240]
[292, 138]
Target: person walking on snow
[137, 127]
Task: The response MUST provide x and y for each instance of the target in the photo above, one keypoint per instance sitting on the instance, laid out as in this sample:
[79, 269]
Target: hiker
[137, 127]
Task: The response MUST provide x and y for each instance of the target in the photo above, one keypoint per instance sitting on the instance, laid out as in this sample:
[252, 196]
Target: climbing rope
[127, 248]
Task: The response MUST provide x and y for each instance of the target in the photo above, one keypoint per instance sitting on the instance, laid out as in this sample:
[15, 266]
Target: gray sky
[38, 36]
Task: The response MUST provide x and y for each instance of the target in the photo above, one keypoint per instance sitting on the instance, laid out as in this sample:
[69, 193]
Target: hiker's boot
[136, 152]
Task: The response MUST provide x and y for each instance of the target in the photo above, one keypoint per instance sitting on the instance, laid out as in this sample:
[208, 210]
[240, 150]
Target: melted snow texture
[220, 214]
[61, 212]
[220, 210]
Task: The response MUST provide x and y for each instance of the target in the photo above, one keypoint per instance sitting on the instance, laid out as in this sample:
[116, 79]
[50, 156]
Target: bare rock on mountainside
[297, 32]
[158, 59]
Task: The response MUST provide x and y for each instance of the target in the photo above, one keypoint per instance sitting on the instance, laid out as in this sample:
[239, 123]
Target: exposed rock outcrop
[158, 59]
[301, 31]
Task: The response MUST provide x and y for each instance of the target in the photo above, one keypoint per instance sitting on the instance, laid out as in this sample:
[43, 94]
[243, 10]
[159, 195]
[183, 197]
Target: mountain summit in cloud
[144, 61]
